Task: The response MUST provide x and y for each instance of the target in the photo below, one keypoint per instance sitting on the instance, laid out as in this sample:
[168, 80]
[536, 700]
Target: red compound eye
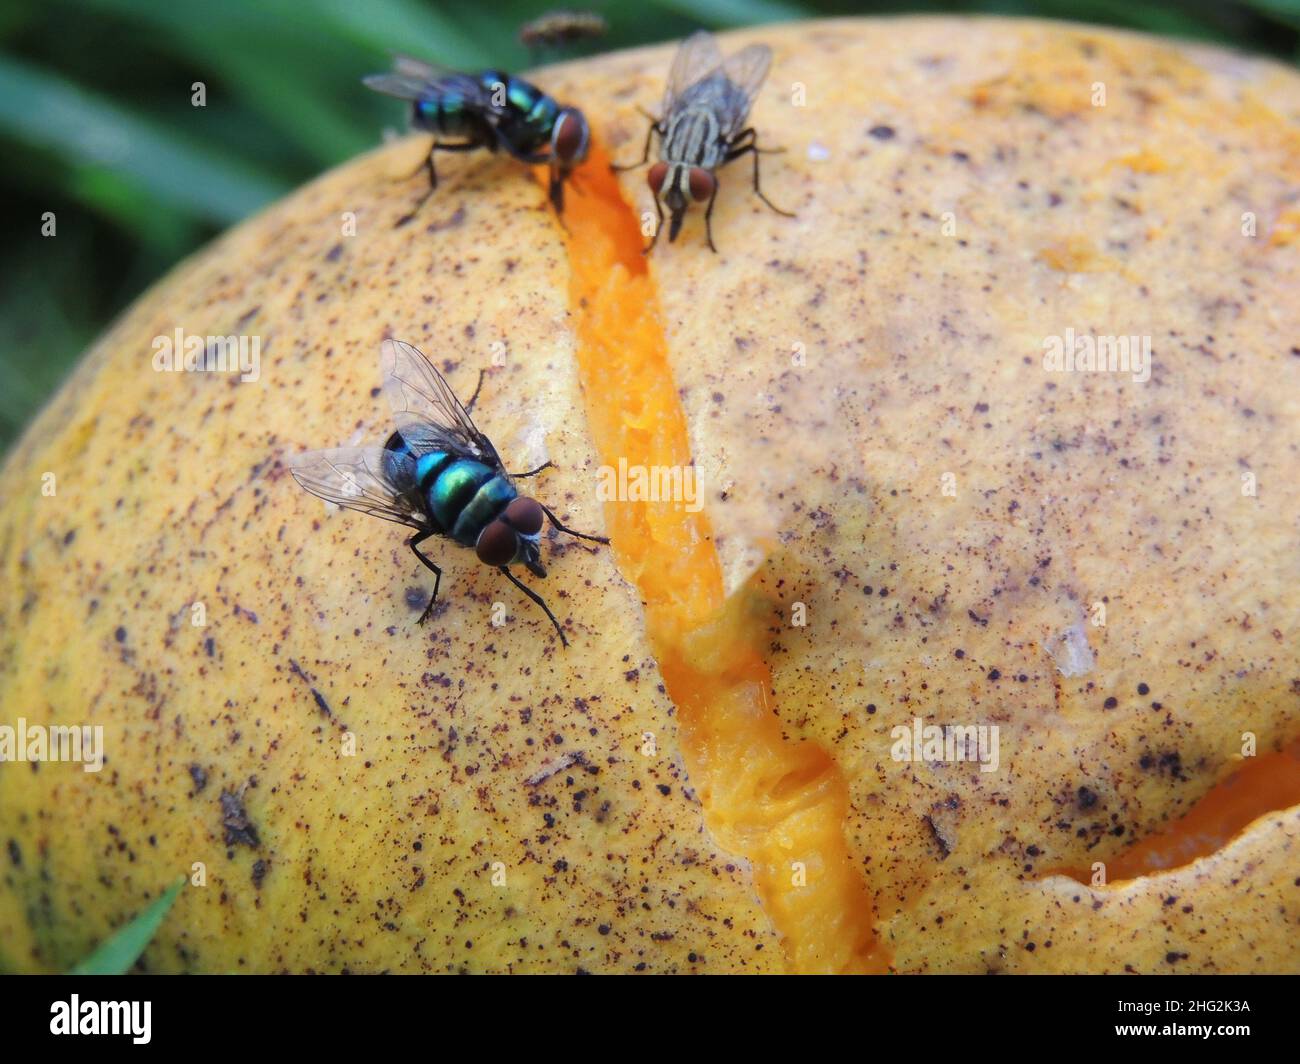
[656, 176]
[702, 184]
[570, 139]
[497, 544]
[525, 515]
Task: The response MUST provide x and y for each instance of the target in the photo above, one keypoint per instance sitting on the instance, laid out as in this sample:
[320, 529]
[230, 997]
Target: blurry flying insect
[558, 28]
[438, 474]
[491, 110]
[702, 127]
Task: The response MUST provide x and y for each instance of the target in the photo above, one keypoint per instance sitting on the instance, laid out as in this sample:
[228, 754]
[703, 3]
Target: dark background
[96, 122]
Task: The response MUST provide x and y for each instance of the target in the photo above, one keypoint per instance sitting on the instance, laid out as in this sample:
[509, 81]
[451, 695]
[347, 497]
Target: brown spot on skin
[200, 777]
[239, 830]
[945, 848]
[1165, 763]
[558, 764]
[455, 221]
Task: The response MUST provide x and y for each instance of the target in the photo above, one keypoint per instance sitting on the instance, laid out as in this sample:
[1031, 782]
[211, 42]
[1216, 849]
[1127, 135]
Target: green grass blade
[291, 71]
[403, 26]
[44, 110]
[123, 948]
[735, 12]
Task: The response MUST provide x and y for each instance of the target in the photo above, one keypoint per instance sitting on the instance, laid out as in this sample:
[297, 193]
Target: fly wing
[412, 79]
[400, 86]
[746, 70]
[354, 478]
[417, 68]
[697, 57]
[426, 409]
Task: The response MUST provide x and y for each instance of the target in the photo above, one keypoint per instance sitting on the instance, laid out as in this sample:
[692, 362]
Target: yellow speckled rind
[1068, 491]
[428, 850]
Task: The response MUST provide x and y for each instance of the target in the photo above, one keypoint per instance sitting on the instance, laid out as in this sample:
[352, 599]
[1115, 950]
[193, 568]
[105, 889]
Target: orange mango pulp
[779, 804]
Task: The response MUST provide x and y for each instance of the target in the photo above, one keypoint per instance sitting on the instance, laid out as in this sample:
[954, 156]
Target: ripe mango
[910, 515]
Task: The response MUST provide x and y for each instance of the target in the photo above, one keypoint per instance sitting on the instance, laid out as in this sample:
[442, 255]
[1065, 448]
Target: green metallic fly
[492, 110]
[438, 474]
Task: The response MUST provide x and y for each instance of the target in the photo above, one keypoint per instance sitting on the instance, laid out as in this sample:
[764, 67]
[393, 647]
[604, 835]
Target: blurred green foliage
[97, 126]
[118, 953]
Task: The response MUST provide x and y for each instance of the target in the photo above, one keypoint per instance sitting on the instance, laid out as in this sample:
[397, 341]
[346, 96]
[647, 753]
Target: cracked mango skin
[439, 846]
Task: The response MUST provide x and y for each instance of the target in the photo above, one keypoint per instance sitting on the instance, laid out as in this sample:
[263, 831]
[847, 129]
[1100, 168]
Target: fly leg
[555, 188]
[414, 543]
[555, 193]
[533, 472]
[536, 598]
[737, 149]
[555, 521]
[469, 407]
[439, 145]
[708, 218]
[428, 166]
[645, 155]
[433, 184]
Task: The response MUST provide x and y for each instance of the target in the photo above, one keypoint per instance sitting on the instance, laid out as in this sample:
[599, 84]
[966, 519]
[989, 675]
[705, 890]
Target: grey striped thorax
[693, 139]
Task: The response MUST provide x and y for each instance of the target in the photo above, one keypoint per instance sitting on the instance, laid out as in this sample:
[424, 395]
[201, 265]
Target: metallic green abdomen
[449, 114]
[466, 496]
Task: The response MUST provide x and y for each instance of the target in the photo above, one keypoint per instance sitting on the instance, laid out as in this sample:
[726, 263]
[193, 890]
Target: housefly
[437, 474]
[492, 110]
[702, 127]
